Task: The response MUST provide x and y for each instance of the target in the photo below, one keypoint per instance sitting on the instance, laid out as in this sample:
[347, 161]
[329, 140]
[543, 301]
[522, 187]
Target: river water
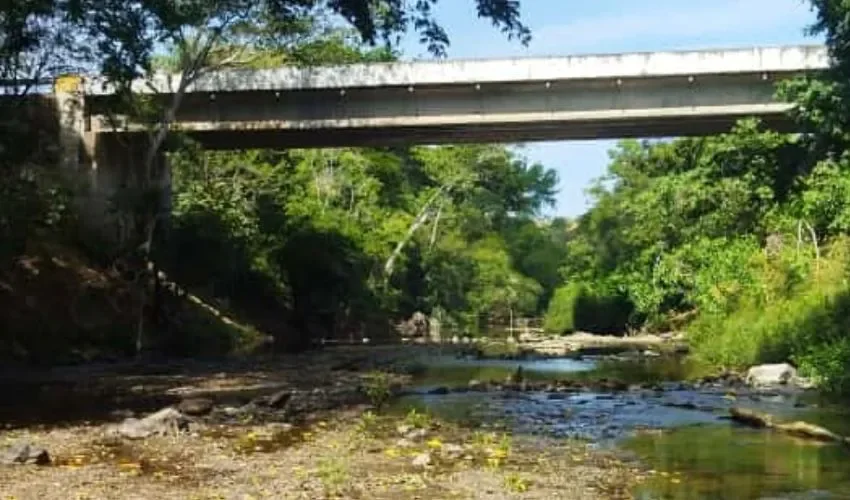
[678, 431]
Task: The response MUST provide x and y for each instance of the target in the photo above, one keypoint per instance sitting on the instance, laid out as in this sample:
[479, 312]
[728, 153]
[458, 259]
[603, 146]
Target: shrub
[804, 318]
[560, 317]
[578, 307]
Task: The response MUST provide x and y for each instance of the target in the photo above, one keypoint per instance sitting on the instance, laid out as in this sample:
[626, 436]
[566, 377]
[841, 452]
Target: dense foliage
[738, 239]
[345, 239]
[302, 244]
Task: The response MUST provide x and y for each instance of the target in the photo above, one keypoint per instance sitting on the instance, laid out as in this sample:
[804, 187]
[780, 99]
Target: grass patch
[806, 323]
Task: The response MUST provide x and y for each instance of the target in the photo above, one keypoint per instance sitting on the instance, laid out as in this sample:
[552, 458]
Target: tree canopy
[738, 239]
[303, 244]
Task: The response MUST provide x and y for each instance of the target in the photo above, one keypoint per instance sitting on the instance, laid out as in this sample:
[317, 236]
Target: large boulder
[771, 375]
[165, 422]
[414, 327]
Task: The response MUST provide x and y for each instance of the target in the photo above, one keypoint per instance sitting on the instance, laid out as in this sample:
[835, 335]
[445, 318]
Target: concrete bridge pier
[121, 194]
[106, 170]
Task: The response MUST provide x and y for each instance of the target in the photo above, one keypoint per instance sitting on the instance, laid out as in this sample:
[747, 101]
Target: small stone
[452, 450]
[404, 443]
[422, 460]
[195, 406]
[415, 434]
[25, 454]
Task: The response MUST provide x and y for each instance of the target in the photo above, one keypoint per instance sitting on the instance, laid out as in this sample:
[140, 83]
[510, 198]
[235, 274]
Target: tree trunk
[420, 219]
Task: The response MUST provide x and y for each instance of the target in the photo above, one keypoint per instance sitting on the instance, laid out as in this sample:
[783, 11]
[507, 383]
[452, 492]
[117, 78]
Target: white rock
[452, 450]
[422, 460]
[771, 374]
[404, 443]
[416, 434]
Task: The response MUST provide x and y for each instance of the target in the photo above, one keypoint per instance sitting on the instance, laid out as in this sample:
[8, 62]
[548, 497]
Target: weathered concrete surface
[756, 60]
[560, 98]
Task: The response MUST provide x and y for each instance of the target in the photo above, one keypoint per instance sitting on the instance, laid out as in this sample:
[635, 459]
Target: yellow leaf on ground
[435, 443]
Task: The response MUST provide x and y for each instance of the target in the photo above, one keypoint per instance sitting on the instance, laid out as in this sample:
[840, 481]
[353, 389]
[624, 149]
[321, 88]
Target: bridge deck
[784, 59]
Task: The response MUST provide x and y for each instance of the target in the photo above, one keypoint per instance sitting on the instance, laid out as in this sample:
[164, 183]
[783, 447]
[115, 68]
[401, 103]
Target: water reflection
[701, 455]
[453, 372]
[729, 462]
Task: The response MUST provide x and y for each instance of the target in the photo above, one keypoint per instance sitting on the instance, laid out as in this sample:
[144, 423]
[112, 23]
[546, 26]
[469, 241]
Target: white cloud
[688, 20]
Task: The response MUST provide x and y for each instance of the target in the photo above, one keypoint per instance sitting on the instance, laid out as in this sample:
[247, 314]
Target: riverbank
[283, 427]
[537, 345]
[414, 421]
[340, 457]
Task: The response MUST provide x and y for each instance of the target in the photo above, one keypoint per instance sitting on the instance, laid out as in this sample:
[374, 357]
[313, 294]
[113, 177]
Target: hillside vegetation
[738, 239]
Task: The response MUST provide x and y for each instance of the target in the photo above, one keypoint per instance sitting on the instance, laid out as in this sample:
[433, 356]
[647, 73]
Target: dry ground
[349, 456]
[341, 453]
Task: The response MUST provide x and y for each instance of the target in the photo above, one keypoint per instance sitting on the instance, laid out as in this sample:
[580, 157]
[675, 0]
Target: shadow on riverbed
[106, 393]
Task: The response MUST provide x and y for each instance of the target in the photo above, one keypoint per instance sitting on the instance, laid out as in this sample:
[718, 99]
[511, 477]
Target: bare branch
[434, 229]
[421, 218]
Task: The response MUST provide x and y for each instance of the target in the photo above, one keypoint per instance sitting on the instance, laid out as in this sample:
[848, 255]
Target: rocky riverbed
[285, 427]
[412, 422]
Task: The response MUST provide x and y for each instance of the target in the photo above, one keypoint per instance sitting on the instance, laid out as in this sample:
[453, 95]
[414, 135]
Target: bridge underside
[676, 126]
[506, 112]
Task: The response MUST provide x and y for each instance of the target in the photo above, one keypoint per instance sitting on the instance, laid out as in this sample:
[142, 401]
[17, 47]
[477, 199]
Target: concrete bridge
[501, 100]
[511, 100]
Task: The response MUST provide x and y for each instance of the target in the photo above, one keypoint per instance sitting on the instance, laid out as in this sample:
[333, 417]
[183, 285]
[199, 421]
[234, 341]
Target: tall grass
[798, 310]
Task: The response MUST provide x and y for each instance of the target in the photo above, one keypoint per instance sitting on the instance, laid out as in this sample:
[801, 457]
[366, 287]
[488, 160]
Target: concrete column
[118, 174]
[106, 169]
[70, 109]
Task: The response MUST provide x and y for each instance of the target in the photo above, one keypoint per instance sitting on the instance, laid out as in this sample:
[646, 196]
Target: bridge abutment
[114, 192]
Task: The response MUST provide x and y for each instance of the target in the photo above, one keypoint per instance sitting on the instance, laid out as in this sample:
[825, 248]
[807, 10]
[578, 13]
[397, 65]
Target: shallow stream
[679, 432]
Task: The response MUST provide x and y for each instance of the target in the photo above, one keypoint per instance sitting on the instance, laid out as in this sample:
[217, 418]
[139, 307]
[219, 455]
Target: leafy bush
[598, 310]
[603, 309]
[805, 322]
[560, 317]
[377, 388]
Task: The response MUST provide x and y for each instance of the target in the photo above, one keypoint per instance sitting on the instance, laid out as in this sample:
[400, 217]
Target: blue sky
[561, 27]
